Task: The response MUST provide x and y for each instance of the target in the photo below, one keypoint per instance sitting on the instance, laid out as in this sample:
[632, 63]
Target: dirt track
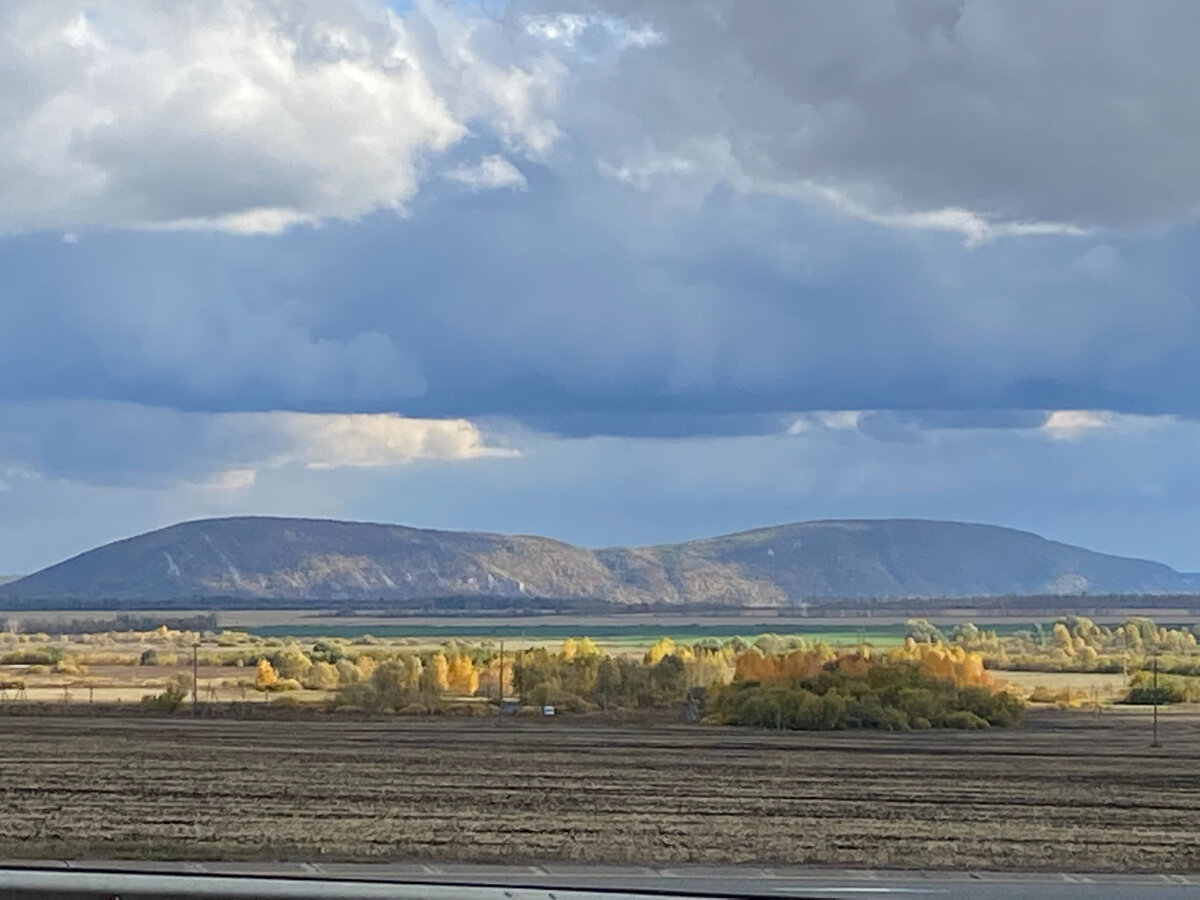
[1067, 792]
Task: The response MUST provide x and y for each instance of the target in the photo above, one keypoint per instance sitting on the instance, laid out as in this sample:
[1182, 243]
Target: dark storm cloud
[667, 268]
[561, 306]
[1079, 112]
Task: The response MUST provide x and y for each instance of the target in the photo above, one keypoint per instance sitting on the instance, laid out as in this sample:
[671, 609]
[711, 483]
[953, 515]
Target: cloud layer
[984, 117]
[106, 444]
[703, 263]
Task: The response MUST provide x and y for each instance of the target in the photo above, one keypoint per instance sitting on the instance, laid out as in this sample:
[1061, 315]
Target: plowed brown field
[1066, 792]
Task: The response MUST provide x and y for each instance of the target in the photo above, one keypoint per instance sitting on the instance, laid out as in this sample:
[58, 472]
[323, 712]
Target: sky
[610, 271]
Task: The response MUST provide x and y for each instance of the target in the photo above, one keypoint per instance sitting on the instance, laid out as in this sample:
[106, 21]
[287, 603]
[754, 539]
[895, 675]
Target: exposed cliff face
[309, 559]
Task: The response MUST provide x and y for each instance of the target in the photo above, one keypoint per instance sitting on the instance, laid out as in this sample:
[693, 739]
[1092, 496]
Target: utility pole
[196, 678]
[1155, 743]
[500, 712]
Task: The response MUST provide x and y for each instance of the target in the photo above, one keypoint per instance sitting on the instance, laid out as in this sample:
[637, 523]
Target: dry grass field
[1104, 686]
[129, 684]
[1068, 791]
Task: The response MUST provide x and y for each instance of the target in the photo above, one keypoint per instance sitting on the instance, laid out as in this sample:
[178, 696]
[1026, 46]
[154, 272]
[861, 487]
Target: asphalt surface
[561, 881]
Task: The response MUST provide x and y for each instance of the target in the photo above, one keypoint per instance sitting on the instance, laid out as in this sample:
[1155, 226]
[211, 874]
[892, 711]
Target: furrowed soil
[1067, 791]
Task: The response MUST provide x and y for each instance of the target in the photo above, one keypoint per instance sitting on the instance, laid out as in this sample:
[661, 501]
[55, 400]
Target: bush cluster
[893, 695]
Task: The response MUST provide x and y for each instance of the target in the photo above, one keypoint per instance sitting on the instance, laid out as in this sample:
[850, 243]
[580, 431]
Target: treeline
[20, 605]
[775, 681]
[1073, 644]
[125, 622]
[804, 687]
[1077, 644]
[1002, 605]
[507, 606]
[484, 604]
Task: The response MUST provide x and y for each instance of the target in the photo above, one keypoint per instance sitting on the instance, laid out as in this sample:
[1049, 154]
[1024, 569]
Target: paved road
[540, 882]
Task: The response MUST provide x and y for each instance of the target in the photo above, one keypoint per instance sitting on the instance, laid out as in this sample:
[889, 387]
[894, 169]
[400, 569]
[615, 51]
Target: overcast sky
[606, 270]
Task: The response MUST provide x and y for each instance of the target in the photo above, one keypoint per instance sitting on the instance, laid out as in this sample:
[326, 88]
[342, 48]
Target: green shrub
[169, 700]
[1147, 695]
[966, 720]
[153, 657]
[32, 656]
[1170, 689]
[174, 695]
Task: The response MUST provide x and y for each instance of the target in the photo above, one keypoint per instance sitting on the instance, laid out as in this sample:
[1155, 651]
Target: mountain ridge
[777, 566]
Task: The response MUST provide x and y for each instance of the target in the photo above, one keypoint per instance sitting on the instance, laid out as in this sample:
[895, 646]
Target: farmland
[1068, 791]
[1044, 662]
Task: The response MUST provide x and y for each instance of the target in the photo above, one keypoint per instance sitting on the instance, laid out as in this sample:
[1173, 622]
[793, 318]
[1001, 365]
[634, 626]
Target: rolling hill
[311, 560]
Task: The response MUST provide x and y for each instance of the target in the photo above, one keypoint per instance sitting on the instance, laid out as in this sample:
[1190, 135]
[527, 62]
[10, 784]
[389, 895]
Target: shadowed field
[1069, 792]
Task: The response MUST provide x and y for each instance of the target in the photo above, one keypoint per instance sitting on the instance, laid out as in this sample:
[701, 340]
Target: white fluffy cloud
[245, 115]
[490, 173]
[1073, 424]
[124, 443]
[326, 441]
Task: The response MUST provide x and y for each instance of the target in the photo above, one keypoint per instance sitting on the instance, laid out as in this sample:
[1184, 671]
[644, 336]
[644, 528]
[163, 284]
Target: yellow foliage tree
[586, 648]
[365, 665]
[1062, 639]
[439, 672]
[322, 676]
[953, 664]
[347, 672]
[709, 668]
[292, 662]
[663, 647]
[461, 676]
[264, 675]
[413, 667]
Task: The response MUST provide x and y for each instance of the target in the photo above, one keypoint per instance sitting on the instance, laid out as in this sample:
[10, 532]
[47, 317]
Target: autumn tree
[664, 646]
[608, 684]
[265, 675]
[489, 677]
[291, 662]
[347, 672]
[710, 666]
[365, 665]
[462, 677]
[322, 676]
[435, 679]
[669, 679]
[923, 631]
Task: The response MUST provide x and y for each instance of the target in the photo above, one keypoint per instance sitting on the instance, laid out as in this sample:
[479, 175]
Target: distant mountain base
[1039, 605]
